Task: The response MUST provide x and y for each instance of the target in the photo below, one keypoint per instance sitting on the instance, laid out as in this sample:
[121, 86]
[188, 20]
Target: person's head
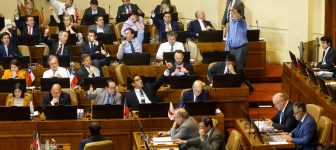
[126, 2]
[326, 41]
[206, 124]
[230, 60]
[100, 20]
[136, 81]
[200, 15]
[167, 2]
[67, 20]
[92, 36]
[179, 56]
[95, 128]
[53, 62]
[236, 11]
[68, 3]
[14, 65]
[18, 91]
[280, 100]
[86, 60]
[167, 17]
[134, 17]
[94, 5]
[29, 4]
[171, 36]
[56, 91]
[111, 87]
[5, 38]
[197, 87]
[63, 36]
[129, 34]
[30, 21]
[299, 110]
[180, 115]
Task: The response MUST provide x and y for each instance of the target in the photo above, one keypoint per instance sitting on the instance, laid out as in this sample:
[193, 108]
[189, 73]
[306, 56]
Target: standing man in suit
[196, 94]
[60, 46]
[109, 95]
[127, 8]
[329, 54]
[165, 25]
[134, 22]
[9, 47]
[170, 46]
[304, 136]
[131, 44]
[29, 27]
[229, 5]
[100, 26]
[185, 127]
[56, 97]
[87, 70]
[55, 70]
[284, 119]
[94, 9]
[179, 68]
[210, 137]
[64, 8]
[200, 24]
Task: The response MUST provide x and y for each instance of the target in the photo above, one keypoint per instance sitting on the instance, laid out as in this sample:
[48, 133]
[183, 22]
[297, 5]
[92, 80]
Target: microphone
[257, 24]
[109, 8]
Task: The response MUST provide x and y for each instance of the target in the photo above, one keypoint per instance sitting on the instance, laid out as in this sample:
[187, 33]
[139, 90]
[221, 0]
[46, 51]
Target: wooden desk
[252, 143]
[298, 88]
[72, 131]
[58, 146]
[140, 145]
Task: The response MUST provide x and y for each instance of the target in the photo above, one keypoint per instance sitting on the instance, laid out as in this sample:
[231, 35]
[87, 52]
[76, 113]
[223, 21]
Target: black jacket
[88, 11]
[64, 100]
[85, 48]
[188, 96]
[330, 59]
[288, 122]
[12, 47]
[122, 10]
[195, 27]
[219, 68]
[54, 44]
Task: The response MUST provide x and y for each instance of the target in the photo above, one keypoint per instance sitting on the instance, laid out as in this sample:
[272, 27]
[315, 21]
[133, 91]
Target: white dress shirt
[100, 29]
[324, 57]
[94, 12]
[6, 49]
[60, 6]
[137, 93]
[166, 47]
[93, 70]
[64, 73]
[202, 25]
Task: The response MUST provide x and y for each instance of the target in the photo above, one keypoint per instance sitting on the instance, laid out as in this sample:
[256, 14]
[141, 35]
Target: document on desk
[277, 143]
[162, 140]
[263, 127]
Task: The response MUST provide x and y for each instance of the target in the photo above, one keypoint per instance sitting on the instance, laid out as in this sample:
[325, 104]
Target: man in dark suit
[200, 24]
[304, 136]
[94, 9]
[166, 24]
[9, 47]
[142, 94]
[95, 135]
[229, 5]
[100, 26]
[284, 119]
[56, 97]
[87, 70]
[210, 137]
[60, 46]
[179, 68]
[329, 54]
[196, 94]
[29, 27]
[127, 8]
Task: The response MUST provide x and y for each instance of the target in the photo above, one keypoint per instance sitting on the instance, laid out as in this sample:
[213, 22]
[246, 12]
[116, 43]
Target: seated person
[131, 44]
[284, 119]
[164, 7]
[200, 24]
[56, 97]
[87, 70]
[27, 9]
[166, 24]
[19, 97]
[100, 26]
[95, 135]
[210, 137]
[29, 27]
[14, 72]
[185, 127]
[66, 25]
[64, 8]
[94, 9]
[134, 22]
[55, 70]
[304, 136]
[196, 94]
[128, 8]
[170, 46]
[142, 94]
[179, 68]
[109, 95]
[9, 47]
[60, 46]
[329, 54]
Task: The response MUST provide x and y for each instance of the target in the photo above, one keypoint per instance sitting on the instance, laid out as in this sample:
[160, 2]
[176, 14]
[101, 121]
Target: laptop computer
[181, 36]
[47, 83]
[107, 111]
[24, 61]
[106, 38]
[200, 108]
[182, 82]
[253, 35]
[226, 80]
[14, 113]
[29, 40]
[294, 60]
[98, 82]
[153, 110]
[61, 112]
[134, 59]
[169, 57]
[174, 16]
[7, 85]
[253, 125]
[146, 39]
[214, 56]
[91, 19]
[210, 36]
[63, 61]
[311, 76]
[72, 38]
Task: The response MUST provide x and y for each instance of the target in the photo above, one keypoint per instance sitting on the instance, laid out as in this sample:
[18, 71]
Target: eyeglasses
[296, 113]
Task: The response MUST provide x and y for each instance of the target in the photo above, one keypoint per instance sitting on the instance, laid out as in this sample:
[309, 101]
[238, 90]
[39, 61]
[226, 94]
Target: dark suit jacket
[330, 59]
[22, 26]
[288, 122]
[106, 28]
[122, 10]
[88, 11]
[81, 74]
[12, 47]
[188, 96]
[157, 9]
[89, 140]
[85, 48]
[213, 142]
[304, 136]
[150, 91]
[64, 100]
[195, 27]
[185, 65]
[61, 27]
[219, 68]
[161, 26]
[225, 20]
[53, 46]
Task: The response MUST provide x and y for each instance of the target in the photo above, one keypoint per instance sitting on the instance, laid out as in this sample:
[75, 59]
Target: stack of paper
[162, 140]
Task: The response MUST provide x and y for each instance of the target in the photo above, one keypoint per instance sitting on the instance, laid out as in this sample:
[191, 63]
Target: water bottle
[46, 145]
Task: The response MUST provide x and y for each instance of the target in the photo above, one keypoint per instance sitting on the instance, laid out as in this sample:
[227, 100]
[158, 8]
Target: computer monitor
[106, 38]
[91, 19]
[174, 16]
[14, 113]
[294, 60]
[182, 82]
[24, 61]
[107, 111]
[302, 67]
[2, 22]
[252, 124]
[200, 108]
[134, 59]
[63, 61]
[98, 82]
[253, 35]
[153, 110]
[210, 36]
[182, 36]
[47, 83]
[146, 39]
[29, 40]
[169, 57]
[226, 80]
[72, 38]
[60, 112]
[322, 85]
[311, 76]
[214, 56]
[7, 85]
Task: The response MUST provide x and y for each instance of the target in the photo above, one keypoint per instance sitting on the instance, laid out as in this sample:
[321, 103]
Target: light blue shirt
[236, 34]
[136, 42]
[130, 24]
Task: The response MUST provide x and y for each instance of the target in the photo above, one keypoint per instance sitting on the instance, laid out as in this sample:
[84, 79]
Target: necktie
[54, 73]
[204, 23]
[108, 99]
[30, 31]
[281, 115]
[129, 9]
[142, 97]
[206, 137]
[195, 100]
[91, 48]
[323, 58]
[59, 50]
[172, 49]
[6, 50]
[132, 47]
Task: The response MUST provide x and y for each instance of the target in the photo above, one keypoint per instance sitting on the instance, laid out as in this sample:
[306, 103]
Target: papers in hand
[162, 140]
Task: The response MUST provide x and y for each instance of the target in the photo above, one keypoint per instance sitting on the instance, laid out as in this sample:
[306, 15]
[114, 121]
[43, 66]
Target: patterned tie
[6, 50]
[172, 49]
[281, 116]
[142, 97]
[132, 47]
[59, 50]
[129, 9]
[168, 27]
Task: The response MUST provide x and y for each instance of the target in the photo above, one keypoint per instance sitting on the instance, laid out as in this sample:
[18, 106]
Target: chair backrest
[181, 26]
[210, 65]
[24, 50]
[101, 145]
[184, 90]
[152, 30]
[46, 51]
[233, 141]
[117, 30]
[174, 7]
[323, 129]
[122, 73]
[73, 95]
[315, 111]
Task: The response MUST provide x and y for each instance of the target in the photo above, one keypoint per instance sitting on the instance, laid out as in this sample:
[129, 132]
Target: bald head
[56, 91]
[280, 100]
[197, 87]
